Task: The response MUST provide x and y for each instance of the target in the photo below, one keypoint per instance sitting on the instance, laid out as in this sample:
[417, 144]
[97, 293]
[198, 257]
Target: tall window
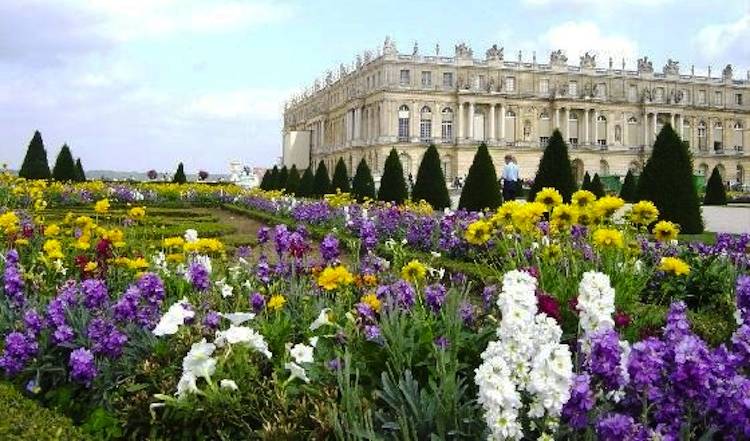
[573, 88]
[403, 123]
[425, 124]
[702, 97]
[659, 94]
[510, 84]
[482, 81]
[702, 135]
[601, 90]
[717, 98]
[544, 86]
[738, 99]
[633, 93]
[447, 79]
[426, 79]
[446, 130]
[405, 78]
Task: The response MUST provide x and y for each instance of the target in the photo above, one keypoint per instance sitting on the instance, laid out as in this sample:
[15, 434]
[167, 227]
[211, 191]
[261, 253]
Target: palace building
[609, 116]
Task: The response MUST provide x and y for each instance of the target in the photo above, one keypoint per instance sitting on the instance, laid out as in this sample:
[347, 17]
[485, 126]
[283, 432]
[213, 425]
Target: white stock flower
[228, 384]
[322, 319]
[596, 303]
[243, 335]
[296, 371]
[302, 353]
[173, 318]
[198, 360]
[191, 235]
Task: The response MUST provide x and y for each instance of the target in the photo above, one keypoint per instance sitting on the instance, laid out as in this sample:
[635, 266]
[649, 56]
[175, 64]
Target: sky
[133, 85]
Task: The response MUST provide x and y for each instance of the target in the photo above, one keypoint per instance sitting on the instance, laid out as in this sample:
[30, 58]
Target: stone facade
[609, 116]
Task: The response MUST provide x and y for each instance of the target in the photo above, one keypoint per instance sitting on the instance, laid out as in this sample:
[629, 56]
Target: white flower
[596, 303]
[302, 353]
[198, 361]
[191, 235]
[313, 341]
[226, 289]
[435, 254]
[244, 336]
[203, 260]
[296, 371]
[228, 384]
[186, 385]
[322, 319]
[160, 261]
[238, 318]
[59, 267]
[173, 318]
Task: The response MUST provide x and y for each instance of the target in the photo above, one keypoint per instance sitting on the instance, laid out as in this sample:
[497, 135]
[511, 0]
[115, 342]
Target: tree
[392, 183]
[202, 175]
[152, 174]
[35, 165]
[363, 186]
[628, 190]
[596, 186]
[481, 189]
[430, 184]
[65, 168]
[554, 169]
[273, 180]
[586, 184]
[667, 181]
[265, 181]
[281, 178]
[715, 192]
[292, 181]
[322, 183]
[80, 174]
[306, 184]
[179, 176]
[340, 177]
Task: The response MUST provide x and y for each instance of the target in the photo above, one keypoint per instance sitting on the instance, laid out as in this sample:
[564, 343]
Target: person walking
[510, 179]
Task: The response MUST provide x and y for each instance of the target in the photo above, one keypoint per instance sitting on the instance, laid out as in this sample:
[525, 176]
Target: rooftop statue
[494, 53]
[557, 58]
[464, 51]
[645, 65]
[588, 61]
[672, 67]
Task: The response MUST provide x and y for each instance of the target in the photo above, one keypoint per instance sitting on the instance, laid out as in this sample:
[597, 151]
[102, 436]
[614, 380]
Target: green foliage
[586, 184]
[392, 183]
[80, 174]
[629, 188]
[481, 189]
[597, 187]
[273, 180]
[65, 168]
[340, 177]
[292, 181]
[282, 178]
[430, 184]
[179, 176]
[265, 182]
[554, 169]
[22, 419]
[363, 186]
[306, 184]
[716, 194]
[35, 165]
[667, 181]
[322, 183]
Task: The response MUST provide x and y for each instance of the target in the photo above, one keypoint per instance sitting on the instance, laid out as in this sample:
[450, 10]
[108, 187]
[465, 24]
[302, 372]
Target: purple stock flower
[619, 427]
[576, 411]
[403, 294]
[211, 320]
[264, 234]
[742, 295]
[126, 307]
[434, 296]
[82, 366]
[281, 238]
[263, 270]
[105, 338]
[365, 312]
[19, 350]
[297, 245]
[334, 364]
[442, 342]
[199, 276]
[329, 248]
[257, 301]
[63, 334]
[152, 288]
[243, 251]
[33, 322]
[13, 282]
[94, 293]
[466, 312]
[604, 360]
[488, 296]
[372, 333]
[646, 365]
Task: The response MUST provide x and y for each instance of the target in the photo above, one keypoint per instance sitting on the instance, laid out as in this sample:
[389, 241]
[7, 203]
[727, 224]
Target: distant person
[510, 179]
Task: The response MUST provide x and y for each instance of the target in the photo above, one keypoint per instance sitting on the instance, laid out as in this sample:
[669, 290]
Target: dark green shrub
[322, 181]
[554, 169]
[481, 189]
[282, 178]
[35, 165]
[586, 184]
[716, 194]
[80, 174]
[65, 168]
[292, 181]
[265, 182]
[306, 184]
[628, 190]
[340, 177]
[430, 184]
[667, 181]
[179, 176]
[597, 187]
[392, 183]
[273, 180]
[363, 186]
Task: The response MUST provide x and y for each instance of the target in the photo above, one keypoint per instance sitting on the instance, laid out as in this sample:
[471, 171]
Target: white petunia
[322, 319]
[238, 318]
[173, 318]
[302, 353]
[313, 341]
[244, 336]
[198, 360]
[226, 289]
[228, 384]
[296, 371]
[186, 385]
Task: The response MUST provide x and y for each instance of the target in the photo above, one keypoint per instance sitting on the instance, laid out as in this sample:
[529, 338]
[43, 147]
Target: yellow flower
[276, 302]
[478, 232]
[372, 301]
[665, 231]
[176, 242]
[528, 214]
[504, 215]
[137, 213]
[137, 263]
[608, 205]
[333, 277]
[644, 213]
[84, 222]
[370, 279]
[116, 236]
[9, 222]
[413, 271]
[587, 217]
[203, 245]
[175, 257]
[563, 216]
[102, 206]
[549, 196]
[674, 265]
[552, 251]
[91, 266]
[52, 230]
[40, 205]
[608, 237]
[53, 249]
[21, 242]
[583, 198]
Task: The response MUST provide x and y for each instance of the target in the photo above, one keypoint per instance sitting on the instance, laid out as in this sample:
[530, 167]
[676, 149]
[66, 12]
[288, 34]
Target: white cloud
[246, 103]
[725, 43]
[575, 38]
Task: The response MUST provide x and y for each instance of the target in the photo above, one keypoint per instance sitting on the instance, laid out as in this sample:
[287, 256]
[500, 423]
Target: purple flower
[329, 248]
[372, 333]
[582, 400]
[263, 270]
[82, 366]
[488, 296]
[604, 360]
[126, 308]
[442, 342]
[742, 295]
[646, 365]
[264, 233]
[105, 338]
[619, 427]
[297, 245]
[434, 296]
[365, 312]
[243, 251]
[33, 322]
[199, 277]
[466, 312]
[94, 293]
[211, 320]
[334, 364]
[19, 350]
[152, 288]
[281, 238]
[403, 294]
[257, 301]
[12, 279]
[63, 334]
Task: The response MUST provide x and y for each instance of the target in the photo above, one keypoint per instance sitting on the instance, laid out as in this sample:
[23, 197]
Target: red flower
[550, 306]
[104, 249]
[622, 319]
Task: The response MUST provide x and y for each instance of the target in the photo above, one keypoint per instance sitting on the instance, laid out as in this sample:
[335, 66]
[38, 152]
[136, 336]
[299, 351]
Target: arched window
[510, 114]
[703, 169]
[738, 145]
[403, 123]
[722, 171]
[425, 124]
[446, 128]
[577, 166]
[405, 163]
[718, 125]
[544, 115]
[572, 116]
[635, 167]
[601, 118]
[632, 120]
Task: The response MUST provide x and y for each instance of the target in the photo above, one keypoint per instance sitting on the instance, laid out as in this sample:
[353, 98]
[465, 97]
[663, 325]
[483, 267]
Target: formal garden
[319, 308]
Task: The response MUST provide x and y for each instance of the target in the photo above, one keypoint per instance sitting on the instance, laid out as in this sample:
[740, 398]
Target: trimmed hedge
[22, 419]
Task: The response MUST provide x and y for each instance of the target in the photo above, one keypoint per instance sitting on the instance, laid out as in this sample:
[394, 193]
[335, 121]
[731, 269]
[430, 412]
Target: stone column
[557, 118]
[566, 124]
[645, 127]
[596, 127]
[502, 121]
[625, 129]
[491, 138]
[671, 121]
[586, 127]
[471, 120]
[460, 122]
[656, 119]
[414, 118]
[709, 135]
[678, 122]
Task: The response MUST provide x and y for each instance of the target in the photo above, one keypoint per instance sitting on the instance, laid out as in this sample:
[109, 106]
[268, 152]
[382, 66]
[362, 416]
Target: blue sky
[141, 84]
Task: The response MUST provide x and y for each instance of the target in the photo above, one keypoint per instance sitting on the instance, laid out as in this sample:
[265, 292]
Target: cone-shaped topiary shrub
[716, 194]
[65, 168]
[392, 183]
[430, 184]
[35, 164]
[596, 186]
[586, 184]
[80, 174]
[322, 181]
[554, 169]
[628, 190]
[340, 177]
[481, 189]
[292, 181]
[179, 176]
[306, 184]
[363, 186]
